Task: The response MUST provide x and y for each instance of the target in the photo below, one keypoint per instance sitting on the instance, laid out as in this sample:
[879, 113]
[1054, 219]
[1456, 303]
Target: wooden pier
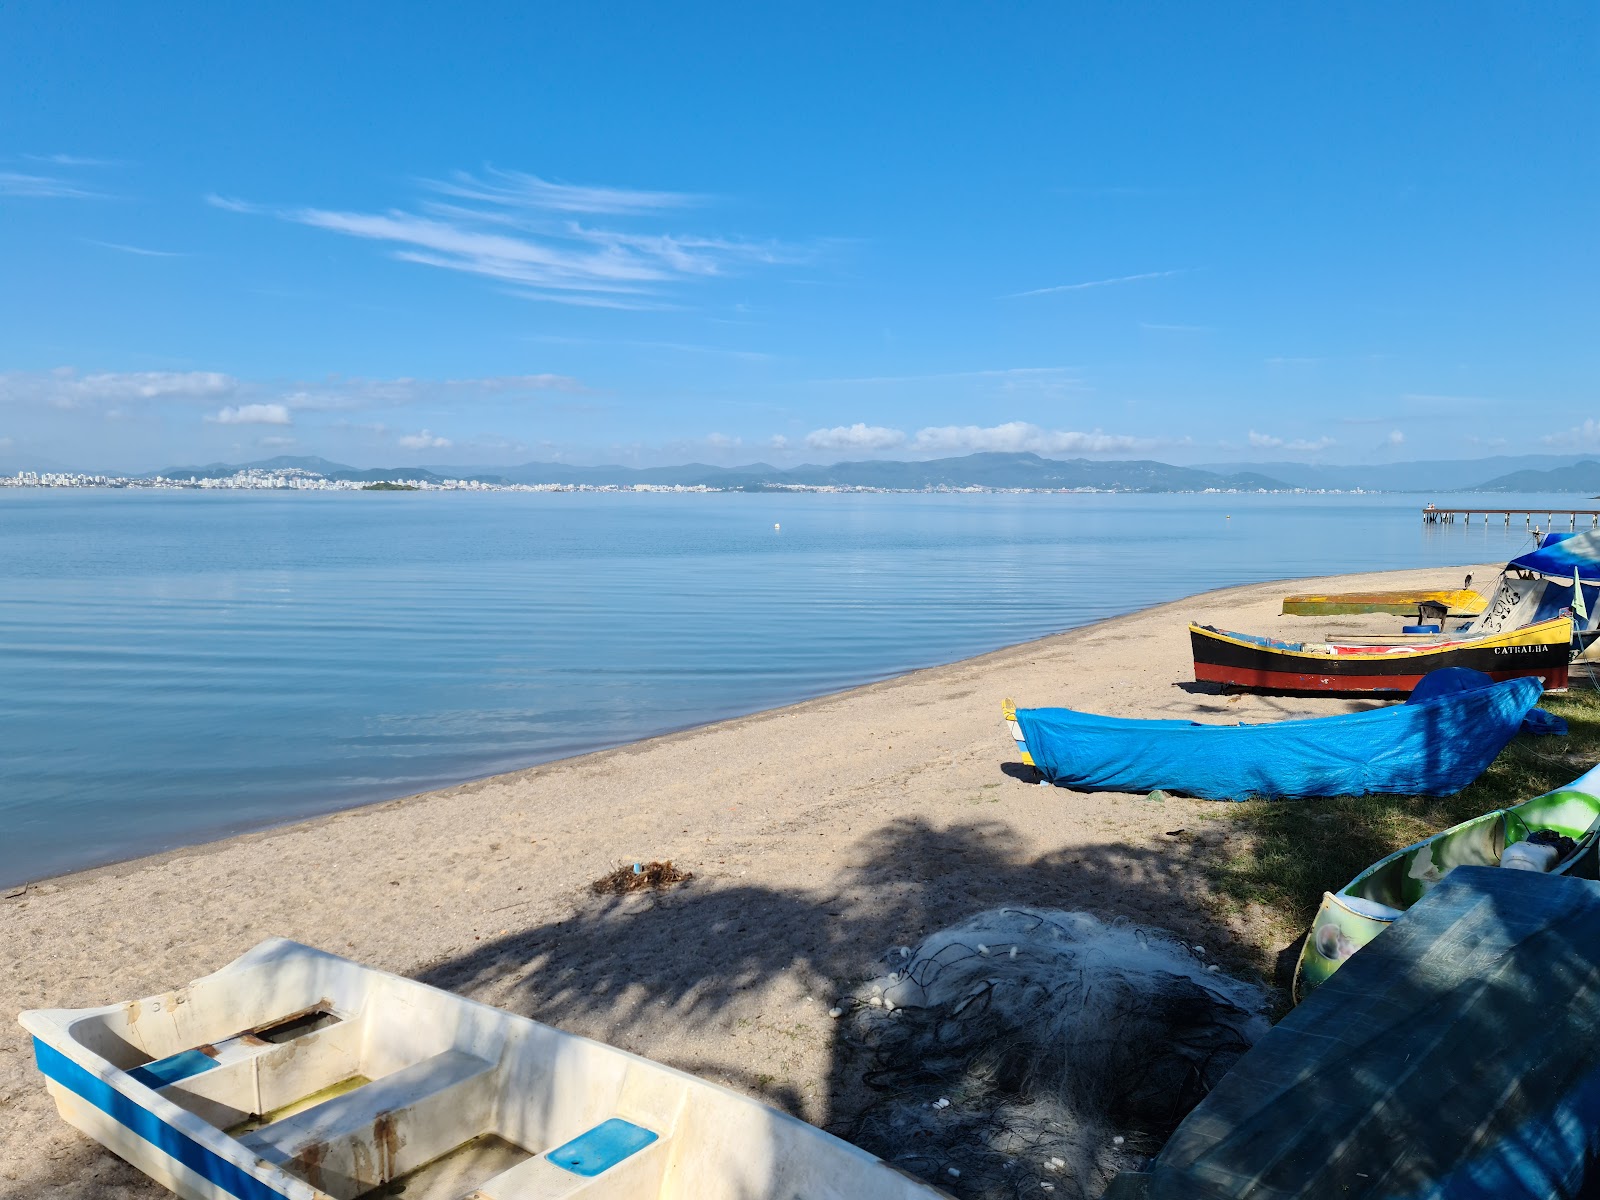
[1448, 516]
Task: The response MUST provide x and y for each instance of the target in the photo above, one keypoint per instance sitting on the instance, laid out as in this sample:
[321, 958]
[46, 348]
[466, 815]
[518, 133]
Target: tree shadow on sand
[619, 969]
[623, 969]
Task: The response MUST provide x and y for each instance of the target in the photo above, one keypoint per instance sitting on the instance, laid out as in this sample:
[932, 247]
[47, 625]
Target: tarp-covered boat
[1457, 1059]
[1560, 554]
[291, 1074]
[1374, 899]
[1241, 660]
[1458, 602]
[1435, 744]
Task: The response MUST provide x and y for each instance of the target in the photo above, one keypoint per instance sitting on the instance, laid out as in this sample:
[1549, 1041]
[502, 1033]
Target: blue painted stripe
[169, 1070]
[602, 1148]
[139, 1120]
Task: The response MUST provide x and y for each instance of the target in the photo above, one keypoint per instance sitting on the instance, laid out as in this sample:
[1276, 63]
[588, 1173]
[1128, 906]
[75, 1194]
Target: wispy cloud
[1099, 283]
[1010, 437]
[859, 436]
[518, 229]
[1018, 436]
[1158, 327]
[1579, 436]
[72, 160]
[247, 400]
[424, 440]
[517, 189]
[136, 249]
[1267, 441]
[1396, 437]
[48, 187]
[253, 414]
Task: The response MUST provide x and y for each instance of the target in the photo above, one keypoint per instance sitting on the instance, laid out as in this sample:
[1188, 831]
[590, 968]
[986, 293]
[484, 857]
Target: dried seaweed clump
[640, 877]
[1035, 1053]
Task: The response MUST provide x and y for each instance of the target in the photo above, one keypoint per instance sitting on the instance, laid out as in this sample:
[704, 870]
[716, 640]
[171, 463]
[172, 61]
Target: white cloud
[510, 228]
[64, 388]
[721, 441]
[518, 189]
[1582, 436]
[1396, 437]
[424, 440]
[778, 442]
[253, 414]
[48, 187]
[1018, 436]
[859, 436]
[275, 443]
[1099, 283]
[136, 249]
[1267, 441]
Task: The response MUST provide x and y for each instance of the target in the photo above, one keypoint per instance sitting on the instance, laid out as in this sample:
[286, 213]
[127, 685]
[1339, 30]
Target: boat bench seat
[353, 1142]
[613, 1159]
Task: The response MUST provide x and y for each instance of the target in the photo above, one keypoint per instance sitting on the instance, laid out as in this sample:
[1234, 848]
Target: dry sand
[819, 835]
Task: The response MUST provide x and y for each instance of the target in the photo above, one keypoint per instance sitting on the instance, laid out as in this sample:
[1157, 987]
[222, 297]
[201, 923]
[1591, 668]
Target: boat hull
[1261, 664]
[1433, 745]
[291, 1074]
[1459, 602]
[1349, 919]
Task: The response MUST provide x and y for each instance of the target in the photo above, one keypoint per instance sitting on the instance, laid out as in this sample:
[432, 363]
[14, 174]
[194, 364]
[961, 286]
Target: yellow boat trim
[1555, 632]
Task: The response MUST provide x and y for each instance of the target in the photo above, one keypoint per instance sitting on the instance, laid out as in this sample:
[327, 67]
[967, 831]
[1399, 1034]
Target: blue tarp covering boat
[1562, 553]
[1455, 1058]
[1436, 743]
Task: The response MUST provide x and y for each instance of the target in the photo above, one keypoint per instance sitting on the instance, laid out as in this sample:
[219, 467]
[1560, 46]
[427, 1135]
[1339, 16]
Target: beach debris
[836, 1012]
[1070, 1061]
[650, 876]
[1159, 796]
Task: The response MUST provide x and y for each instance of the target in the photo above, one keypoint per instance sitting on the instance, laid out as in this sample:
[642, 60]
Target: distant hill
[1428, 475]
[317, 466]
[973, 470]
[1580, 477]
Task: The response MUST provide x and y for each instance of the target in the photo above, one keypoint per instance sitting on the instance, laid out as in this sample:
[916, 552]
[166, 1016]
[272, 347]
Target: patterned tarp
[1560, 553]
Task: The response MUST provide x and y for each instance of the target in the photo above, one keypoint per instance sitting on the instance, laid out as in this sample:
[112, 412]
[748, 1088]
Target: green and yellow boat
[1374, 899]
[1458, 602]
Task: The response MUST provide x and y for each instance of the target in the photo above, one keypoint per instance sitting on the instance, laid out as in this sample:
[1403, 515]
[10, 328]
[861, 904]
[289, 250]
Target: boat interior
[362, 1084]
[1400, 881]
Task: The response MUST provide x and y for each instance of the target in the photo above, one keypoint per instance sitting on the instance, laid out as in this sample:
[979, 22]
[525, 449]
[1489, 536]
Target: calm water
[180, 665]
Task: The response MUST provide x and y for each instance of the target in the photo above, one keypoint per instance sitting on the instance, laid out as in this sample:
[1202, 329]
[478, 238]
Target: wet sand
[819, 835]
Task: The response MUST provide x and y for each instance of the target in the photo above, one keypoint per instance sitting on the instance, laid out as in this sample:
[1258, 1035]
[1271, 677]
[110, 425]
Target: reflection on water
[178, 665]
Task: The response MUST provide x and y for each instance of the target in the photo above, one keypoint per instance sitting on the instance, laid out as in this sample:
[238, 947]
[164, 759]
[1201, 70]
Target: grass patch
[1290, 852]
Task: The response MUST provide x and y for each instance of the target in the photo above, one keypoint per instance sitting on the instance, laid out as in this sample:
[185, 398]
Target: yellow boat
[1458, 602]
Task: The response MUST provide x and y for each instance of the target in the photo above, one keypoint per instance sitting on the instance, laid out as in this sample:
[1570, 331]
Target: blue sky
[406, 233]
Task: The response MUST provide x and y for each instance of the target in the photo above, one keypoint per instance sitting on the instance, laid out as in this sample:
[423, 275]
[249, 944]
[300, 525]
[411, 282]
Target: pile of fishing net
[1031, 1052]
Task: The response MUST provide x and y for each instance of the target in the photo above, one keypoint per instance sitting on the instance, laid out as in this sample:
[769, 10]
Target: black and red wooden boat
[1265, 664]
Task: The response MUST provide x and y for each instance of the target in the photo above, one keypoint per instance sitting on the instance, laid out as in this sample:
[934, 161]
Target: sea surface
[175, 666]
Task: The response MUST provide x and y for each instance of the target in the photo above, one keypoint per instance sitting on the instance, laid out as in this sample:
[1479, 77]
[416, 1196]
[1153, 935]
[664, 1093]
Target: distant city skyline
[601, 236]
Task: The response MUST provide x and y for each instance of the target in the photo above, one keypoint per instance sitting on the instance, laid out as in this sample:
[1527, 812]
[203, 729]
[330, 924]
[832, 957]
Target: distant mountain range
[972, 470]
[1526, 473]
[1580, 477]
[1535, 472]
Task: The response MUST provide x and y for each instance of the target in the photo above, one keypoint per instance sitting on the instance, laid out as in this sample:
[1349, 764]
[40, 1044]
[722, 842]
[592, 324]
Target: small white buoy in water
[953, 1173]
[1013, 952]
[1118, 1140]
[776, 527]
[983, 950]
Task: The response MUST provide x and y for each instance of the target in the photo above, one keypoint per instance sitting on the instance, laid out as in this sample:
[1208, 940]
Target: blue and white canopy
[1562, 553]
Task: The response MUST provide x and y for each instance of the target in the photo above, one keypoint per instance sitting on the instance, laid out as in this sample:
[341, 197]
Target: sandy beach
[819, 836]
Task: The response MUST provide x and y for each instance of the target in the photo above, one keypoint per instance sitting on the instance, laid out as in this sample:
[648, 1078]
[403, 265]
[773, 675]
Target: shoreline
[820, 834]
[210, 844]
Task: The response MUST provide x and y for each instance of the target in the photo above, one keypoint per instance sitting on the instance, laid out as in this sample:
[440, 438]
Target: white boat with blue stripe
[292, 1074]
